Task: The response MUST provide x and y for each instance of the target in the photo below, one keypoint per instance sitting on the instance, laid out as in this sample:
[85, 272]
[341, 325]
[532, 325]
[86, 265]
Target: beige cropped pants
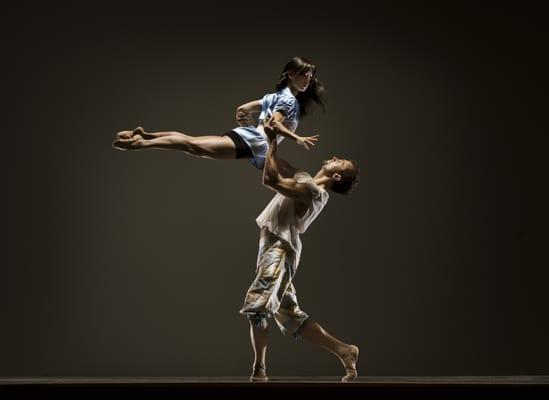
[272, 293]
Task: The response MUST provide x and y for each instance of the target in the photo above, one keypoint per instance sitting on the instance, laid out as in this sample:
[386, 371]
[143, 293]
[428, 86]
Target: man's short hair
[349, 180]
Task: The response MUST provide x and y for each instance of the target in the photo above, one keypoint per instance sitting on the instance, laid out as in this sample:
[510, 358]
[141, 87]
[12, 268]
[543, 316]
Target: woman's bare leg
[347, 353]
[140, 131]
[258, 336]
[213, 147]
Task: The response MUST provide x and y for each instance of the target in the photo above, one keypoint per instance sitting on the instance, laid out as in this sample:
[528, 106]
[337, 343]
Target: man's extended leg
[214, 147]
[258, 336]
[347, 353]
[263, 297]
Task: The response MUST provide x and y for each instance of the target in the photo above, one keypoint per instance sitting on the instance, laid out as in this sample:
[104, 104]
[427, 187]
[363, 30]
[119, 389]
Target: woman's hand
[307, 141]
[244, 118]
[245, 111]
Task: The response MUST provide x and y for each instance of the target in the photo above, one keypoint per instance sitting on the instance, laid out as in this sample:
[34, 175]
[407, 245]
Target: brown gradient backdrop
[136, 263]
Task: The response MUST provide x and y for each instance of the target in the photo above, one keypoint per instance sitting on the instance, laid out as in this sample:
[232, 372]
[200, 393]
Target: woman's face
[300, 80]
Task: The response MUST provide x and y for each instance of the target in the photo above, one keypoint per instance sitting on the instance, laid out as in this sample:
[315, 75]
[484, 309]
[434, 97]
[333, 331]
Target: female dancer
[296, 90]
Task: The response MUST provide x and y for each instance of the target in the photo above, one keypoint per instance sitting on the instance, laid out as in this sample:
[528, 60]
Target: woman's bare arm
[244, 113]
[276, 123]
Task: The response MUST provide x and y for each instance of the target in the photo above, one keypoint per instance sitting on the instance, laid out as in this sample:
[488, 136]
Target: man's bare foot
[259, 375]
[348, 359]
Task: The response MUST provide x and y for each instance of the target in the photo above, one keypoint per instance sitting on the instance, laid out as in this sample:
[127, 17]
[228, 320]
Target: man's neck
[322, 180]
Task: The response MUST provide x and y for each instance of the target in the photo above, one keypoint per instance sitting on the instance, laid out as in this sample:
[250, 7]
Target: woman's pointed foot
[140, 131]
[130, 140]
[124, 134]
[135, 142]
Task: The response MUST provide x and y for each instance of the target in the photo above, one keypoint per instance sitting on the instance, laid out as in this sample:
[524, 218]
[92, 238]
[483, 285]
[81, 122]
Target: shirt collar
[287, 91]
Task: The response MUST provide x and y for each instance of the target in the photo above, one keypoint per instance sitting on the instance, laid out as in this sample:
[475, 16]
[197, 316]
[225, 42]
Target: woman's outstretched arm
[276, 123]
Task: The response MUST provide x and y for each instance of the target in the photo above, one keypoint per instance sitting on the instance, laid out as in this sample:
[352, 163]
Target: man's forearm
[271, 170]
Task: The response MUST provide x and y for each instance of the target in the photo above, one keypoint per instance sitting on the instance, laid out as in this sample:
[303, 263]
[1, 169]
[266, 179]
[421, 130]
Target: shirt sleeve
[285, 105]
[265, 100]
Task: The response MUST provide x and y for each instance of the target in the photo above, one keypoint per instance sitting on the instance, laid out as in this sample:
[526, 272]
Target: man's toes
[259, 378]
[259, 375]
[351, 376]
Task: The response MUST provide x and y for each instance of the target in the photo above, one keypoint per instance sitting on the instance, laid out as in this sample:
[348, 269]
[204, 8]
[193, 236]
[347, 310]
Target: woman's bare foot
[124, 134]
[259, 375]
[348, 359]
[130, 140]
[128, 134]
[133, 142]
[141, 132]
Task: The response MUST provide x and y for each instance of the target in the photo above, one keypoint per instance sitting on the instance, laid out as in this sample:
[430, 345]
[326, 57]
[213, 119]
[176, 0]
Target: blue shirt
[282, 101]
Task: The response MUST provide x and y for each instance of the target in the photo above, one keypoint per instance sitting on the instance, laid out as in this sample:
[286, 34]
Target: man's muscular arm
[274, 179]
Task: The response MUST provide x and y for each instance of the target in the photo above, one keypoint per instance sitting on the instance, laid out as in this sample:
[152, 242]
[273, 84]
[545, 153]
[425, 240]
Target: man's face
[336, 165]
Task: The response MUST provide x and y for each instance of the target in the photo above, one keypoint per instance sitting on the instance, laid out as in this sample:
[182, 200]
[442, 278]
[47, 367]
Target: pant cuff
[297, 333]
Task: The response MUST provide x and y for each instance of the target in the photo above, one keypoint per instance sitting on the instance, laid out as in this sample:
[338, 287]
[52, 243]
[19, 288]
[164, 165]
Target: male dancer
[299, 200]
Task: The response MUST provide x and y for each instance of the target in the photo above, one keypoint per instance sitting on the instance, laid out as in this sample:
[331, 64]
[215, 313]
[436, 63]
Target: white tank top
[280, 218]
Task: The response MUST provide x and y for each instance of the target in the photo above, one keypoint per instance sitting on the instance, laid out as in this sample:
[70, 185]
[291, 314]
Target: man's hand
[270, 129]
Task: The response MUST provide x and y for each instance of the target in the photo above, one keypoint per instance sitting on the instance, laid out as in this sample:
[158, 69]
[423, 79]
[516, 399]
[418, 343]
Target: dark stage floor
[533, 386]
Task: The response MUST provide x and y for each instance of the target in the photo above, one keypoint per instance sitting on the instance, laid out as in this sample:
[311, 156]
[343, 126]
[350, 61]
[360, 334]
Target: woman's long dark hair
[315, 91]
